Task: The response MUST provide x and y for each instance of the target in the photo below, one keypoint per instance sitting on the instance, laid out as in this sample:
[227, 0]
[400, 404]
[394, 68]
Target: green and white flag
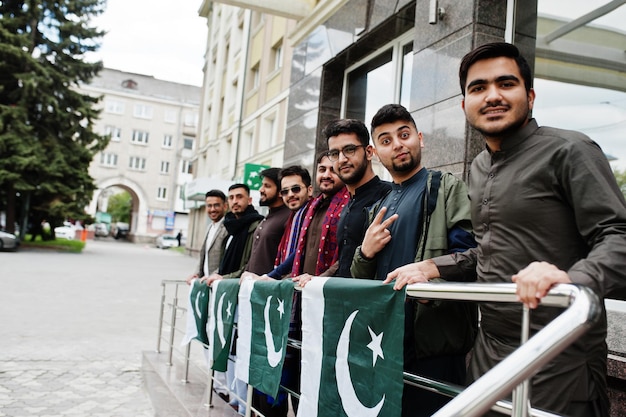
[222, 305]
[352, 349]
[197, 312]
[263, 327]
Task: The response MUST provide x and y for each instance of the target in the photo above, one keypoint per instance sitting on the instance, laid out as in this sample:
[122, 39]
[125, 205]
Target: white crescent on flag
[273, 357]
[220, 320]
[349, 400]
[197, 304]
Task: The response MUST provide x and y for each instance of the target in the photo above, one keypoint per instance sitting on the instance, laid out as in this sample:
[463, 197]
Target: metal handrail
[583, 310]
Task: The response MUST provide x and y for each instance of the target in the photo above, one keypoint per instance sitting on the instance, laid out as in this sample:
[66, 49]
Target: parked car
[101, 230]
[8, 241]
[120, 230]
[166, 241]
[67, 231]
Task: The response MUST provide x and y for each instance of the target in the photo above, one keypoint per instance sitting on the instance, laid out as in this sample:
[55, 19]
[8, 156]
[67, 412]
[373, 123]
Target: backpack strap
[431, 204]
[435, 180]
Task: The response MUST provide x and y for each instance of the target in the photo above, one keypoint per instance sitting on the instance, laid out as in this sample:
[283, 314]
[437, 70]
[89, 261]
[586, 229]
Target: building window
[186, 167]
[269, 133]
[136, 163]
[276, 57]
[108, 159]
[255, 77]
[168, 141]
[114, 132]
[381, 78]
[191, 119]
[170, 116]
[130, 84]
[142, 111]
[114, 106]
[140, 137]
[246, 149]
[162, 193]
[188, 143]
[165, 167]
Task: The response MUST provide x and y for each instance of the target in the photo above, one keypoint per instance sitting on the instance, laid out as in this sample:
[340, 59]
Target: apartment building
[152, 124]
[244, 103]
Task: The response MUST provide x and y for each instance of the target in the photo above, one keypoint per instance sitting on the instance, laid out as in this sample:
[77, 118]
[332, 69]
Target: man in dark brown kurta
[546, 209]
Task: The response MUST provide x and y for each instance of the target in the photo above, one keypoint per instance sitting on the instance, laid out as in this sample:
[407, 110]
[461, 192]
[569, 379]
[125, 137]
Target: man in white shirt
[211, 255]
[215, 239]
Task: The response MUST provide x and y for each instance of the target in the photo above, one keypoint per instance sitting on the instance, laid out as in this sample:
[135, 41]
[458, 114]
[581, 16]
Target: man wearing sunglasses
[351, 154]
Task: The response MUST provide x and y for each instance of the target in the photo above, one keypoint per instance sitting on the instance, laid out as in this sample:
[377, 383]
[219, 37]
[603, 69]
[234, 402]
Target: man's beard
[268, 201]
[405, 166]
[356, 175]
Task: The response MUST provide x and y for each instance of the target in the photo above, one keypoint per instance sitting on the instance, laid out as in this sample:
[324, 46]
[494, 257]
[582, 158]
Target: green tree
[119, 207]
[620, 176]
[46, 126]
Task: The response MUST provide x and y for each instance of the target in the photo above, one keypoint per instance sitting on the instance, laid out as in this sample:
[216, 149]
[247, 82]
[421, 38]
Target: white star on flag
[374, 346]
[281, 307]
[230, 304]
[254, 174]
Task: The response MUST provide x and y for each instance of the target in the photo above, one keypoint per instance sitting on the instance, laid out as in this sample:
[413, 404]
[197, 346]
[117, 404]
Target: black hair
[391, 113]
[296, 170]
[273, 174]
[240, 185]
[215, 193]
[495, 50]
[339, 126]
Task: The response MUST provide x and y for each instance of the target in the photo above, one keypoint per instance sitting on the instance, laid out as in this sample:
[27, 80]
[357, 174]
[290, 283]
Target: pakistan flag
[352, 348]
[197, 312]
[263, 327]
[222, 305]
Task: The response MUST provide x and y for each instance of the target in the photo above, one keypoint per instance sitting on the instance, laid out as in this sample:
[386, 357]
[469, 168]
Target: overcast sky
[167, 40]
[154, 37]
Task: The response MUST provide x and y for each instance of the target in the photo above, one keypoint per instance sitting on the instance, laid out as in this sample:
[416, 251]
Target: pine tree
[46, 126]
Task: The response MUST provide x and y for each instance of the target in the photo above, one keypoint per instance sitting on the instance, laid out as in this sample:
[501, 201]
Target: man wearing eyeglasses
[351, 154]
[215, 238]
[426, 213]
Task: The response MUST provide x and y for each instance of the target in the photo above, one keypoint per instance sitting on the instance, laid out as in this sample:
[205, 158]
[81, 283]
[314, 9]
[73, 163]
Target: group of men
[542, 208]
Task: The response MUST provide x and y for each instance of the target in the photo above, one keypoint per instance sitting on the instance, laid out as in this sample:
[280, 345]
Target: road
[73, 327]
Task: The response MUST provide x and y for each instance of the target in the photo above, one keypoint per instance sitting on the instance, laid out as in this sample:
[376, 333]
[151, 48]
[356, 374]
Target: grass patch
[179, 249]
[62, 245]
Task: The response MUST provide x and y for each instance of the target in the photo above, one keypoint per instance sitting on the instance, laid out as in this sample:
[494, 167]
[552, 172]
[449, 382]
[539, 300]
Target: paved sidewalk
[73, 328]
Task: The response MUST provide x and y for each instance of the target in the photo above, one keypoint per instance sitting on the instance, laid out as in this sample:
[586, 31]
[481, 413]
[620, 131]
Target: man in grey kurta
[546, 209]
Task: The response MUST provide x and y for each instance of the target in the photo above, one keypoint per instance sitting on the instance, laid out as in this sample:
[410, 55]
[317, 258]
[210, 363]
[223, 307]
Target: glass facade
[580, 71]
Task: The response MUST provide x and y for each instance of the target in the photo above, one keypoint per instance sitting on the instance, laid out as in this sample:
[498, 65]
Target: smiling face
[352, 169]
[215, 208]
[399, 148]
[269, 193]
[327, 179]
[294, 192]
[496, 102]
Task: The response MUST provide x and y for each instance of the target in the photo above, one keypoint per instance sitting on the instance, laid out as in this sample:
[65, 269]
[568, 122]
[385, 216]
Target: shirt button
[491, 175]
[485, 201]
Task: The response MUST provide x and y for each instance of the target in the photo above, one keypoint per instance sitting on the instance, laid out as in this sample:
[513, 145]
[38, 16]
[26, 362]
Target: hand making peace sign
[377, 235]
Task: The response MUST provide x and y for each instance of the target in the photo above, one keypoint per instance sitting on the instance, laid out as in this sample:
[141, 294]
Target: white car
[166, 241]
[67, 231]
[8, 241]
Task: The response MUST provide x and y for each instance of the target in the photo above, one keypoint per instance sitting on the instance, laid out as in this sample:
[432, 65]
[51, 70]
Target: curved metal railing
[582, 310]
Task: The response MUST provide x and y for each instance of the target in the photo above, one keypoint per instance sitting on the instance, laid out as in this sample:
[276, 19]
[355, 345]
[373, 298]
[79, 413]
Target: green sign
[252, 175]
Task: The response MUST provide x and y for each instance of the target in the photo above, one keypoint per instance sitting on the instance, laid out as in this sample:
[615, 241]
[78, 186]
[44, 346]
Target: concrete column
[436, 95]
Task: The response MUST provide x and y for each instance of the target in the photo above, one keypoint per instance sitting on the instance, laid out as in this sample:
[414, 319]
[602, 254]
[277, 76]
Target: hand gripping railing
[583, 310]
